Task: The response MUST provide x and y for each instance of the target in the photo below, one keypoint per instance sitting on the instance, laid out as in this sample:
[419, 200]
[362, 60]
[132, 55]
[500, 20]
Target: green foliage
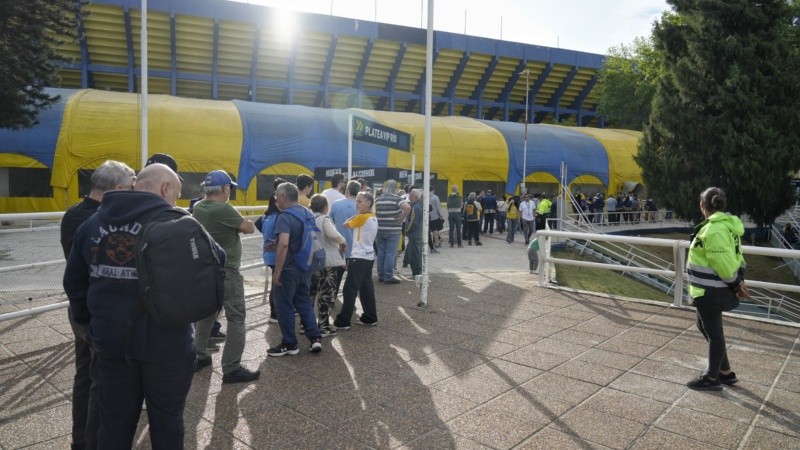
[628, 83]
[725, 111]
[30, 32]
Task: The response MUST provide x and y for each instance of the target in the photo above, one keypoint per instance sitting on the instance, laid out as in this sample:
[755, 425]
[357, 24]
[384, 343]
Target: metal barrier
[677, 273]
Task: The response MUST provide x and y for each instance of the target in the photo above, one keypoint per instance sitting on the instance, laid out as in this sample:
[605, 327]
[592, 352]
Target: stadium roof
[217, 49]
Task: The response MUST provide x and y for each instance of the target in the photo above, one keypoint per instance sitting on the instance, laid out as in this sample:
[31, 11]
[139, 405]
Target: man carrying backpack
[292, 281]
[224, 223]
[136, 358]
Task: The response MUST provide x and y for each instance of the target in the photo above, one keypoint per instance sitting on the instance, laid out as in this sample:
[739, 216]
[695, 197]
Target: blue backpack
[311, 255]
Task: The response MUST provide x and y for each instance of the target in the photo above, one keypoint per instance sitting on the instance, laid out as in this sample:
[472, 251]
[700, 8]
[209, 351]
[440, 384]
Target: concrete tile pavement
[494, 362]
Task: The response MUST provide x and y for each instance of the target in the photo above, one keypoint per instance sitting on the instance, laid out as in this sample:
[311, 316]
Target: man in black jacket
[110, 176]
[136, 358]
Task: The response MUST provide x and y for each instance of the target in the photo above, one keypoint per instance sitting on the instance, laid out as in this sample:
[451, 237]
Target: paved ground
[494, 362]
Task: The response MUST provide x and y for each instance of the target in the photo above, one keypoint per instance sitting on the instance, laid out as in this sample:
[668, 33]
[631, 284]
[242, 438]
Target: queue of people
[358, 232]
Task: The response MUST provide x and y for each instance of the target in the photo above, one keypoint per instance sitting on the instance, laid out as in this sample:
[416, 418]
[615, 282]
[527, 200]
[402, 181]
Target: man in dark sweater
[110, 176]
[136, 359]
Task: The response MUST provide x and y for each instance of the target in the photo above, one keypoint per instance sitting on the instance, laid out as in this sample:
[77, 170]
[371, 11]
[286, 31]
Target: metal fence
[775, 306]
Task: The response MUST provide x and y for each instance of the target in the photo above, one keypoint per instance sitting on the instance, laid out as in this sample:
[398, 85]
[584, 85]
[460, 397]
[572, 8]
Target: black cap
[167, 160]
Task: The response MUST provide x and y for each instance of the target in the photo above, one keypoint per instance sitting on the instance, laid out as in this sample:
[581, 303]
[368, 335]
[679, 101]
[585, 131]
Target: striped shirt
[387, 209]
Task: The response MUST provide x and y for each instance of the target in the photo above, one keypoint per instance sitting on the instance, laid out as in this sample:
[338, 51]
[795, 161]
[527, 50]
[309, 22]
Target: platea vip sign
[375, 133]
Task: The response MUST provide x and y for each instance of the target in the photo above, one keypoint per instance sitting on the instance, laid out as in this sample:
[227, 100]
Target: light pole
[523, 189]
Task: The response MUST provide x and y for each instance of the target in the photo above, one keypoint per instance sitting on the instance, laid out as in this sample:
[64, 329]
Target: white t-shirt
[363, 240]
[332, 195]
[527, 210]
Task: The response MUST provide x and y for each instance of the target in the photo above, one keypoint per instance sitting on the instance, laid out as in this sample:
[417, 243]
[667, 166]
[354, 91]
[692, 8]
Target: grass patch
[603, 280]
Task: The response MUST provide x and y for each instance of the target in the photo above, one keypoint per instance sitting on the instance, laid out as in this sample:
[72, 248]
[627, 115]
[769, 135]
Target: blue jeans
[512, 229]
[387, 252]
[294, 295]
[454, 221]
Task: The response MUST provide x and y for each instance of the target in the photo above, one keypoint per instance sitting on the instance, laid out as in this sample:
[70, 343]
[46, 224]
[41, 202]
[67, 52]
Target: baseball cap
[218, 178]
[163, 158]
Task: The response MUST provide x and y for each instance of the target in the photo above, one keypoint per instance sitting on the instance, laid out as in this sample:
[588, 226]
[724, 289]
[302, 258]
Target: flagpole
[426, 182]
[143, 78]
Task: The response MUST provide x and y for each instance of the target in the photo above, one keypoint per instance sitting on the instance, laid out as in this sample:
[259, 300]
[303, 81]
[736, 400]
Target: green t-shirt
[222, 222]
[534, 245]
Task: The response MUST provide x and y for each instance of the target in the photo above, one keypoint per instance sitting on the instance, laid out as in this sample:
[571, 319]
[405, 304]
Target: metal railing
[763, 294]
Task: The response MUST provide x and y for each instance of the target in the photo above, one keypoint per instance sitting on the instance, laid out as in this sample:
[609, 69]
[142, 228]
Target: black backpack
[180, 269]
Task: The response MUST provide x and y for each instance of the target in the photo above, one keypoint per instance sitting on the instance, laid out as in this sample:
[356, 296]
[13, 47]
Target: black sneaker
[328, 331]
[729, 379]
[212, 347]
[369, 324]
[201, 363]
[241, 375]
[341, 327]
[478, 243]
[283, 349]
[218, 336]
[316, 345]
[703, 383]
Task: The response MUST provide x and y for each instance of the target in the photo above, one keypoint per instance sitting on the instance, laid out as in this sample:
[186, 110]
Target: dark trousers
[473, 231]
[709, 322]
[358, 283]
[414, 253]
[454, 222]
[162, 385]
[85, 393]
[488, 222]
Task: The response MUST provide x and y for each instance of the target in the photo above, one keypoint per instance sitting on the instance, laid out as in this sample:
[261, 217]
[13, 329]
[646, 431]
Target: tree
[725, 111]
[30, 32]
[627, 84]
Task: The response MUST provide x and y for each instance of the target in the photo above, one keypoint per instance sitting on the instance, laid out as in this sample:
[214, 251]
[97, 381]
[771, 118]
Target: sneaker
[478, 243]
[703, 383]
[460, 246]
[470, 243]
[392, 281]
[241, 375]
[342, 327]
[369, 324]
[201, 363]
[212, 347]
[316, 345]
[272, 320]
[283, 349]
[328, 331]
[452, 245]
[218, 336]
[729, 379]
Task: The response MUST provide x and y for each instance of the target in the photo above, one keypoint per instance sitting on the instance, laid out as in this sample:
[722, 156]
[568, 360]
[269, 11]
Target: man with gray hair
[110, 176]
[134, 358]
[390, 211]
[224, 223]
[454, 206]
[292, 282]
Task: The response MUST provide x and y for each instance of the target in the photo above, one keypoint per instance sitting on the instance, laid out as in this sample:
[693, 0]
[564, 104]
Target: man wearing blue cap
[224, 223]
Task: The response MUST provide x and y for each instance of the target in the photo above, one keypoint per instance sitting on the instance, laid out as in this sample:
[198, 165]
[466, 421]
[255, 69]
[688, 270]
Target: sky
[586, 25]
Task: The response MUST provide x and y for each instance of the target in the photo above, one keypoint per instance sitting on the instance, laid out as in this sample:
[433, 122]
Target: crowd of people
[360, 231]
[614, 210]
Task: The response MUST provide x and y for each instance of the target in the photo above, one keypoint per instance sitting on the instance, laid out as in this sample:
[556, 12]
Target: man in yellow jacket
[543, 211]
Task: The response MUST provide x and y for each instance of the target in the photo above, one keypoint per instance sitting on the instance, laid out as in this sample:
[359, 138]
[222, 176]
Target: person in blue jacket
[136, 358]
